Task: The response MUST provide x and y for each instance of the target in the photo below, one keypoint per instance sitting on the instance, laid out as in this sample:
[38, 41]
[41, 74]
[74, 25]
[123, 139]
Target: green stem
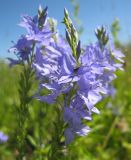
[25, 85]
[111, 130]
[41, 114]
[57, 145]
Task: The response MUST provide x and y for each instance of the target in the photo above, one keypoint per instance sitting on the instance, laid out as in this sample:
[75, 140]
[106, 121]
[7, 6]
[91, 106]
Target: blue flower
[3, 137]
[34, 33]
[49, 67]
[22, 49]
[73, 118]
[39, 34]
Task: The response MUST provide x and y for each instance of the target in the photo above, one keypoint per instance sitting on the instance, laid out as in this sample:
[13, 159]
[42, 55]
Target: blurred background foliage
[110, 138]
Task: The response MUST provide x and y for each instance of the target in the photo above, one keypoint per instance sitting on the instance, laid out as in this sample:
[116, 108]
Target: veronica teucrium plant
[72, 77]
[39, 34]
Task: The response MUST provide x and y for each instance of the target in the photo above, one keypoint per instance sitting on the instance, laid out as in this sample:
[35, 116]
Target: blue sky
[92, 13]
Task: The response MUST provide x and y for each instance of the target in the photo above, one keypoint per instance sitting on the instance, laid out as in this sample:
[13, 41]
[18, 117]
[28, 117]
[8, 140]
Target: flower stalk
[58, 147]
[25, 85]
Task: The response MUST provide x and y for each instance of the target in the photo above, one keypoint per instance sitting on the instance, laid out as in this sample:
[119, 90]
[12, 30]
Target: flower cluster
[83, 75]
[83, 80]
[3, 137]
[39, 33]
